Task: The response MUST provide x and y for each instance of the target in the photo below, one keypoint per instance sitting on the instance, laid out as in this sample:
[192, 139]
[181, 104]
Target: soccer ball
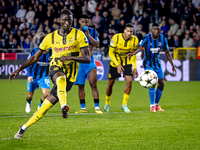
[148, 79]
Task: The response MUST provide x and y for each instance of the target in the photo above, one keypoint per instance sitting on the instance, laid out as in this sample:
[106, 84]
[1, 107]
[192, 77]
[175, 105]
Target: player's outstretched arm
[29, 62]
[85, 56]
[170, 60]
[129, 55]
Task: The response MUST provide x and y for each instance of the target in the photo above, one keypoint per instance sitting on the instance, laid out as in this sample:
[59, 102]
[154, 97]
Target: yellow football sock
[125, 99]
[107, 100]
[39, 113]
[61, 90]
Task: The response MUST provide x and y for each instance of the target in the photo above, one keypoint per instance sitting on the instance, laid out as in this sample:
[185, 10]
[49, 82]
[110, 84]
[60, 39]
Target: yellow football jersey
[65, 45]
[119, 48]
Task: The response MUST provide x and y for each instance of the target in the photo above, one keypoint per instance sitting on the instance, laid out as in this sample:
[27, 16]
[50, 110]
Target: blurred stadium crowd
[23, 21]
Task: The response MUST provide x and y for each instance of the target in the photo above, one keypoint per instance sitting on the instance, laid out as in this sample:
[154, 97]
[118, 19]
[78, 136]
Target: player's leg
[29, 97]
[44, 84]
[109, 87]
[159, 91]
[61, 82]
[127, 91]
[47, 104]
[95, 93]
[45, 93]
[81, 93]
[31, 87]
[80, 81]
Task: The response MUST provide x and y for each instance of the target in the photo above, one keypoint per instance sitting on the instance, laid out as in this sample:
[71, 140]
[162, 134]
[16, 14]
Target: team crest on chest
[70, 40]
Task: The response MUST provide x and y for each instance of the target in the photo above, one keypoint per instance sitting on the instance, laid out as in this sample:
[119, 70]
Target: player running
[154, 42]
[38, 75]
[122, 44]
[88, 70]
[69, 47]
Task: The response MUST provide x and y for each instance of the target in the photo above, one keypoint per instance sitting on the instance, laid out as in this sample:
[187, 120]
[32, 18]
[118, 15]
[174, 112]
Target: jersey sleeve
[165, 45]
[45, 44]
[82, 39]
[143, 42]
[112, 55]
[95, 35]
[113, 41]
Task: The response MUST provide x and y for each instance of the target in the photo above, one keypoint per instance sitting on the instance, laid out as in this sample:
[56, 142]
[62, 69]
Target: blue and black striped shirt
[41, 67]
[152, 49]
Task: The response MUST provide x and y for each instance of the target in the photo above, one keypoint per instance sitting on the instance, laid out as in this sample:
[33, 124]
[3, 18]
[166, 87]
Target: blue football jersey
[93, 33]
[40, 68]
[152, 49]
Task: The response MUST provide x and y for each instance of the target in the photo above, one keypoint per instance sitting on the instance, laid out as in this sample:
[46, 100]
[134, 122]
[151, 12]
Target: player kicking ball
[88, 70]
[69, 46]
[154, 42]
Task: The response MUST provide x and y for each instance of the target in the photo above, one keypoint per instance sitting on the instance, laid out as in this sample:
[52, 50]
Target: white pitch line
[24, 115]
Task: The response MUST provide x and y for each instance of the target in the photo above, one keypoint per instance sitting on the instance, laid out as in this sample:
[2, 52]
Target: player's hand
[30, 79]
[65, 58]
[135, 73]
[14, 74]
[120, 69]
[174, 70]
[129, 55]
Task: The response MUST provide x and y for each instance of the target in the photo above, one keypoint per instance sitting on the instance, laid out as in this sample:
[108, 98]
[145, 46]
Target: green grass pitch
[176, 128]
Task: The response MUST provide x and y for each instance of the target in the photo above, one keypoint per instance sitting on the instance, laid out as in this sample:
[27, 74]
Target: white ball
[148, 79]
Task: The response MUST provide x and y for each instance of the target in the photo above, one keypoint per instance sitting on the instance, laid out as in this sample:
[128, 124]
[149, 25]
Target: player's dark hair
[84, 16]
[155, 25]
[129, 25]
[66, 12]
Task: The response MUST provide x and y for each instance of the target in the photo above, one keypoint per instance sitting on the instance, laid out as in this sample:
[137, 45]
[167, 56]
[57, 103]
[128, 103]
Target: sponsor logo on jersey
[100, 69]
[154, 50]
[64, 48]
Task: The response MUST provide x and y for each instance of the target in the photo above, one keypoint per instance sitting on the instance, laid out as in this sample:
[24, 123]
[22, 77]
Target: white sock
[151, 105]
[156, 104]
[24, 127]
[96, 108]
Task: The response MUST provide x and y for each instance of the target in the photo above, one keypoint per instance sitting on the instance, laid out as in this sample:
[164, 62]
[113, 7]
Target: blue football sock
[152, 95]
[40, 104]
[158, 95]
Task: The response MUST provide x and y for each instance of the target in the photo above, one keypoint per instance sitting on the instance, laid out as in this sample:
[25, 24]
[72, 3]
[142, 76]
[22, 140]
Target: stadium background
[21, 24]
[176, 128]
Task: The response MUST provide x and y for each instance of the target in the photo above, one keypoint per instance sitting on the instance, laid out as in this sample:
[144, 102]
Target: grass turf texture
[176, 128]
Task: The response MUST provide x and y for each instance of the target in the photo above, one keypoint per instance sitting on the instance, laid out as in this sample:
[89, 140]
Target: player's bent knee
[60, 80]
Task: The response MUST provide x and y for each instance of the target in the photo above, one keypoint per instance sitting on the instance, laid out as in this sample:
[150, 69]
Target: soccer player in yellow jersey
[122, 44]
[69, 46]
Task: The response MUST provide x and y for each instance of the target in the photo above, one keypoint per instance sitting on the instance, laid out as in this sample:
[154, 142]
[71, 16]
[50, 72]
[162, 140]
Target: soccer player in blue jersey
[153, 43]
[88, 70]
[38, 75]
